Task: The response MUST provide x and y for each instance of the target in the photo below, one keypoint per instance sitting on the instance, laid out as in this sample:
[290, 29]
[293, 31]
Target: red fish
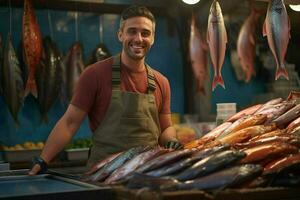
[246, 44]
[277, 29]
[216, 39]
[32, 46]
[198, 56]
[281, 163]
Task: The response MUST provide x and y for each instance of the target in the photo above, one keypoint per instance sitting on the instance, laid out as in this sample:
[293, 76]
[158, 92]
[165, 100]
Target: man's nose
[138, 36]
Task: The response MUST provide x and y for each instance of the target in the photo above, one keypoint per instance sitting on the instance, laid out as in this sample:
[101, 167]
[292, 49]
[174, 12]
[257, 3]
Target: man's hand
[173, 145]
[38, 166]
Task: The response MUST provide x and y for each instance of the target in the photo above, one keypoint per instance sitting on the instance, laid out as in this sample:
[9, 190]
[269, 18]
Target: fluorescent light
[190, 1]
[295, 7]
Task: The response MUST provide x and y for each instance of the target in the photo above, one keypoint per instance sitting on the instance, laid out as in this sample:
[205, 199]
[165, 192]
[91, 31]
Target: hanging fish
[216, 39]
[49, 77]
[246, 44]
[32, 46]
[99, 53]
[73, 66]
[12, 82]
[277, 29]
[198, 56]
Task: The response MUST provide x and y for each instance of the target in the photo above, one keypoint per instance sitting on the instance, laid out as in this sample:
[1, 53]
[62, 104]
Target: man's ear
[120, 35]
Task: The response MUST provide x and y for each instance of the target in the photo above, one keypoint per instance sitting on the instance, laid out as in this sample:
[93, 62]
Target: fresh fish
[186, 162]
[73, 66]
[101, 163]
[210, 136]
[285, 138]
[276, 132]
[164, 159]
[110, 167]
[216, 39]
[244, 122]
[99, 53]
[12, 82]
[277, 110]
[49, 77]
[268, 104]
[268, 151]
[287, 117]
[293, 125]
[198, 56]
[246, 133]
[32, 45]
[280, 164]
[247, 111]
[134, 163]
[210, 164]
[277, 29]
[246, 44]
[225, 178]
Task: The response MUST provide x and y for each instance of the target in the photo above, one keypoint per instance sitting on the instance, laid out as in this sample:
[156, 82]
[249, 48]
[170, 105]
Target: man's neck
[133, 65]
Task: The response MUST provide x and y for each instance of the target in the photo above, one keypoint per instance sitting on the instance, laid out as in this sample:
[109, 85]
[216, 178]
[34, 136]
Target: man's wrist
[41, 162]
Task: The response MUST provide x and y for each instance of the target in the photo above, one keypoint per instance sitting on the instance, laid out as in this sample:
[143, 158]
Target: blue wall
[165, 56]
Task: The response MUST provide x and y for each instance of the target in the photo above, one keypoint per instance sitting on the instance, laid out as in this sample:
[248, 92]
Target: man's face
[137, 36]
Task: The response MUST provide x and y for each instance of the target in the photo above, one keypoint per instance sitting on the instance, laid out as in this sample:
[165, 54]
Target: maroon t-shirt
[94, 88]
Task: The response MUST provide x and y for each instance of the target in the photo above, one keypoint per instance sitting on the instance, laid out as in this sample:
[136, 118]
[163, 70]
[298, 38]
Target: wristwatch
[40, 161]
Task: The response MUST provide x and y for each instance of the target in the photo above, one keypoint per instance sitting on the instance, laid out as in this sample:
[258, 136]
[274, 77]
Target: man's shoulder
[103, 65]
[159, 76]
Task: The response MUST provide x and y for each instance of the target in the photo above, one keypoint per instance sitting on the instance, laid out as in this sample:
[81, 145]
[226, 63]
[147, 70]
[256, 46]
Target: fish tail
[218, 80]
[31, 88]
[281, 71]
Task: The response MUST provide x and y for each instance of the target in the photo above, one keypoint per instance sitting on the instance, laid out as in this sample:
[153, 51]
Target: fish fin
[281, 71]
[264, 29]
[218, 80]
[31, 88]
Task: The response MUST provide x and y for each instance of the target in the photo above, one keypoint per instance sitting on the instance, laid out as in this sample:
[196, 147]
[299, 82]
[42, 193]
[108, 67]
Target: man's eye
[146, 33]
[131, 31]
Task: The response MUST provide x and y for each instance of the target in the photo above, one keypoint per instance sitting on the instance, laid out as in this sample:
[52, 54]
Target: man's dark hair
[136, 11]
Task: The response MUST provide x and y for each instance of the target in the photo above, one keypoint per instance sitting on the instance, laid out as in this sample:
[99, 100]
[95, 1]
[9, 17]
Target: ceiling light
[295, 7]
[190, 1]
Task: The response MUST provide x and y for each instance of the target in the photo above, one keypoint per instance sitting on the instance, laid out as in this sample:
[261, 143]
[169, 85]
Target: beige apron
[131, 119]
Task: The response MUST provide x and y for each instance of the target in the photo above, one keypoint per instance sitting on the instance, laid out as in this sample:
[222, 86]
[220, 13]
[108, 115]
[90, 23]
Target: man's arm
[61, 134]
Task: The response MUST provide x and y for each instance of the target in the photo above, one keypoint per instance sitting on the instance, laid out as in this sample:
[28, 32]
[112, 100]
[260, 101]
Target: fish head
[215, 12]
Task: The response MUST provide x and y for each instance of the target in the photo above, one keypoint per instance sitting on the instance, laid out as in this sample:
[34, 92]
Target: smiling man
[127, 102]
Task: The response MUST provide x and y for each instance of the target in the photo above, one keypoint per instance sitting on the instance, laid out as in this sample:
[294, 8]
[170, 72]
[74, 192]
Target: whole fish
[222, 179]
[49, 77]
[276, 132]
[99, 53]
[134, 163]
[268, 151]
[32, 46]
[210, 136]
[293, 140]
[186, 162]
[73, 67]
[247, 111]
[277, 110]
[198, 56]
[282, 163]
[244, 122]
[287, 117]
[246, 44]
[246, 133]
[110, 167]
[216, 39]
[12, 82]
[210, 164]
[277, 29]
[164, 159]
[101, 163]
[293, 125]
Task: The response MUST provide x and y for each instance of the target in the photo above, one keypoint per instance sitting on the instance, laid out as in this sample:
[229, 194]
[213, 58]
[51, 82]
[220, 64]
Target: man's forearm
[169, 134]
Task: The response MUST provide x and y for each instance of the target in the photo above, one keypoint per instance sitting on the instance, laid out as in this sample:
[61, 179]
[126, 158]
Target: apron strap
[151, 79]
[116, 75]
